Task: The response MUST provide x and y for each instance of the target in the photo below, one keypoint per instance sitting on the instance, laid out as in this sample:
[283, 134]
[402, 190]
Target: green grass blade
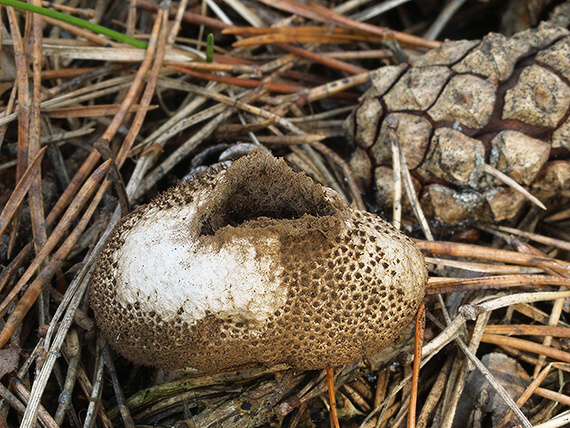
[210, 48]
[78, 22]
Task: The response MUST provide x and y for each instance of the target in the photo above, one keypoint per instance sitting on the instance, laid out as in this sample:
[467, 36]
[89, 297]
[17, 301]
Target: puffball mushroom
[254, 264]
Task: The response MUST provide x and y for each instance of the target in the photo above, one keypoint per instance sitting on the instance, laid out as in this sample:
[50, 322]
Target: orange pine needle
[306, 29]
[323, 14]
[332, 398]
[321, 38]
[91, 111]
[67, 73]
[486, 253]
[418, 344]
[244, 83]
[450, 285]
[528, 330]
[526, 345]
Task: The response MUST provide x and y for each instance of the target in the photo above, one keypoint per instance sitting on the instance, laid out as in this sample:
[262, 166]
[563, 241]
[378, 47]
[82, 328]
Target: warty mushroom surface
[254, 264]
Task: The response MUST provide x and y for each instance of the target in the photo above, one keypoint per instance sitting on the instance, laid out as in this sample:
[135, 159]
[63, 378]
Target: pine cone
[500, 101]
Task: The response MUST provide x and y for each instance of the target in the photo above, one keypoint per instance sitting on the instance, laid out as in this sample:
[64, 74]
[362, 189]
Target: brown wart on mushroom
[254, 264]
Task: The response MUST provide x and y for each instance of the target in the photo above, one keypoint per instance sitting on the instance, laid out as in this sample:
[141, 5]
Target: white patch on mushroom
[407, 270]
[164, 267]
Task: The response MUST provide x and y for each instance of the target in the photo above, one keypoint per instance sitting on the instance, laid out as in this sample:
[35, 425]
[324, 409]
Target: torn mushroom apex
[254, 264]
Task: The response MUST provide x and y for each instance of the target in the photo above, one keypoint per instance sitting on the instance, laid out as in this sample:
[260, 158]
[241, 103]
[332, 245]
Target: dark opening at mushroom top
[254, 264]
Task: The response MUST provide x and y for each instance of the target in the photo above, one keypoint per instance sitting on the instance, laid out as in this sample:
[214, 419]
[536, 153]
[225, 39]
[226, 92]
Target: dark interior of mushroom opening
[260, 185]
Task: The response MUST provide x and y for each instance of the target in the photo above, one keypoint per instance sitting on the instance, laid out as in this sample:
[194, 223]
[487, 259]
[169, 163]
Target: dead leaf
[8, 363]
